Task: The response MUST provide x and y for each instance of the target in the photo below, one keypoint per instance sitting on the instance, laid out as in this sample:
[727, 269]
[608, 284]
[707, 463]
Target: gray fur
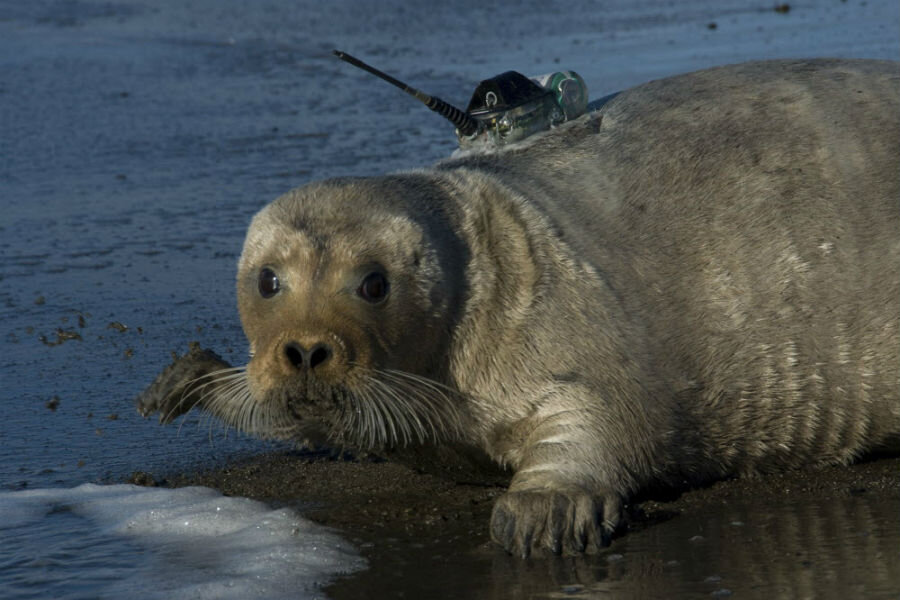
[700, 279]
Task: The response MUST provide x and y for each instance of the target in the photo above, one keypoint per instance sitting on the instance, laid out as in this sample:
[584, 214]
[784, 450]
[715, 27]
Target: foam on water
[127, 541]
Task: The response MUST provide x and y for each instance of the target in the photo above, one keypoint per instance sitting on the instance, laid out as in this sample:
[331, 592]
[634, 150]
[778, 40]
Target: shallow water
[137, 139]
[839, 549]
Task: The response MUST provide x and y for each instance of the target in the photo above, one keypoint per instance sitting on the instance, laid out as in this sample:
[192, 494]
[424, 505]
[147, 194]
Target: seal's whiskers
[398, 408]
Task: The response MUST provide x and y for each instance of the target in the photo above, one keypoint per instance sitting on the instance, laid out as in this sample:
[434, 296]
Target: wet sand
[426, 536]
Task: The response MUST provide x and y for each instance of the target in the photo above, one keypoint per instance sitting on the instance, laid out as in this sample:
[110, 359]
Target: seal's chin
[301, 409]
[381, 408]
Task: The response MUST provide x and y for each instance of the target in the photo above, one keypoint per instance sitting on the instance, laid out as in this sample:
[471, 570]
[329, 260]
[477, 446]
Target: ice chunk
[175, 543]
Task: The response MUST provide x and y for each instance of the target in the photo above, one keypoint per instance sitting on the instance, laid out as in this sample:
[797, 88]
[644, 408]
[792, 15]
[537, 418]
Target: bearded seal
[699, 280]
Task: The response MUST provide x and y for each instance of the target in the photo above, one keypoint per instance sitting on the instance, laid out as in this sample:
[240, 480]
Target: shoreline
[426, 533]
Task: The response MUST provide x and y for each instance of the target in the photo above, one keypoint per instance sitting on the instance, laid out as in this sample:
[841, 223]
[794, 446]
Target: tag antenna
[463, 122]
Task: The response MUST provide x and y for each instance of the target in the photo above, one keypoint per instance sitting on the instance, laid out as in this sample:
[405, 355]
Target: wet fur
[701, 279]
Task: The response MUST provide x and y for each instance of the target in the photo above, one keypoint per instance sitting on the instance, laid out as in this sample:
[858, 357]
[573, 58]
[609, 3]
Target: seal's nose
[302, 358]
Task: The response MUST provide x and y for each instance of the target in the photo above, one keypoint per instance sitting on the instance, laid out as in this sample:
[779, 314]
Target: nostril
[301, 358]
[294, 353]
[320, 353]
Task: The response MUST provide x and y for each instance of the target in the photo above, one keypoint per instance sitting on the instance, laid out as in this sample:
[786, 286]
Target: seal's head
[345, 290]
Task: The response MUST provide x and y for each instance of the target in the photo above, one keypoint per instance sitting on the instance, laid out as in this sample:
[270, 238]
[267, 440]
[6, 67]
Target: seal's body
[700, 279]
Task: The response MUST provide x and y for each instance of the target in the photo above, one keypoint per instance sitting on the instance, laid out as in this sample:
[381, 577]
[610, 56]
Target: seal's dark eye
[373, 288]
[268, 283]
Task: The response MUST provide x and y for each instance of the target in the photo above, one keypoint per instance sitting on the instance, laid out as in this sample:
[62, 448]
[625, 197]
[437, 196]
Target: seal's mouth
[306, 408]
[382, 408]
[321, 404]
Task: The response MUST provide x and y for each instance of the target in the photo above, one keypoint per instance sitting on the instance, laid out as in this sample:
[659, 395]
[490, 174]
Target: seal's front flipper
[182, 385]
[562, 520]
[567, 496]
